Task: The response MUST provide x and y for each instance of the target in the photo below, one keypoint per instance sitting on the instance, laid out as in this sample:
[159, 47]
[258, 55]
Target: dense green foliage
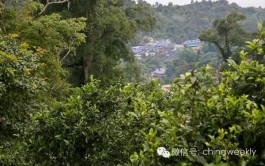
[110, 26]
[21, 80]
[226, 26]
[199, 115]
[187, 60]
[181, 23]
[90, 128]
[112, 121]
[226, 34]
[102, 127]
[30, 69]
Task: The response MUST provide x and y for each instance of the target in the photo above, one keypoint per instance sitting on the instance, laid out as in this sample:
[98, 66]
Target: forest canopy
[71, 91]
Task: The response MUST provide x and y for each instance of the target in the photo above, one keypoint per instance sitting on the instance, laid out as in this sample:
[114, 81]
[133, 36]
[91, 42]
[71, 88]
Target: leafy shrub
[229, 116]
[93, 126]
[21, 81]
[126, 124]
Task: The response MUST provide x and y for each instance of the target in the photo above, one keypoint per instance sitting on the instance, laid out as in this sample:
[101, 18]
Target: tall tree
[226, 34]
[110, 25]
[31, 76]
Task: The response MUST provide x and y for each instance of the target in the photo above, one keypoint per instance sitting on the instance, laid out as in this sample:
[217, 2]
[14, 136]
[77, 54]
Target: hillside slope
[181, 23]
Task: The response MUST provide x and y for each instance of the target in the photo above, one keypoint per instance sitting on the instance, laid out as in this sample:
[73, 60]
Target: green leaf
[133, 114]
[166, 122]
[134, 157]
[259, 26]
[231, 62]
[67, 142]
[58, 136]
[193, 79]
[200, 159]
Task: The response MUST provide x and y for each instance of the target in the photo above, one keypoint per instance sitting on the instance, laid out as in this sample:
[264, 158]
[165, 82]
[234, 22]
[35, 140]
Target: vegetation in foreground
[45, 122]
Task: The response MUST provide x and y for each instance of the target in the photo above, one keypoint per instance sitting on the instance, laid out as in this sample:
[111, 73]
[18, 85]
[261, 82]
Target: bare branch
[69, 50]
[50, 2]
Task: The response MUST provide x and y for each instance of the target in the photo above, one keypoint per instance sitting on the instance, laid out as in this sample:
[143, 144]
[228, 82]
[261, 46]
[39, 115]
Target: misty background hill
[181, 23]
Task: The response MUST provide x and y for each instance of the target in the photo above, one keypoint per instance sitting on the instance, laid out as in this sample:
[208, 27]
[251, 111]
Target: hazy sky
[244, 3]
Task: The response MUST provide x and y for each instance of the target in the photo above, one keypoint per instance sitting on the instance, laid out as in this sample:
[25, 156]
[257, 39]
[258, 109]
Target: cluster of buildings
[195, 44]
[154, 48]
[163, 49]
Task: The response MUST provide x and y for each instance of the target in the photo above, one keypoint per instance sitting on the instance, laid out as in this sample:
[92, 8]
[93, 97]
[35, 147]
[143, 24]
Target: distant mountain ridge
[181, 23]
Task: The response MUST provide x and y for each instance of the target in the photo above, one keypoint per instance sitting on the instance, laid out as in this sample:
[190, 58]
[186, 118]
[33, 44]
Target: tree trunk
[87, 63]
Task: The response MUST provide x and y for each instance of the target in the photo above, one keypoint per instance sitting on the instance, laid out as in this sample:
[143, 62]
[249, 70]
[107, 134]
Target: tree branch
[69, 50]
[50, 2]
